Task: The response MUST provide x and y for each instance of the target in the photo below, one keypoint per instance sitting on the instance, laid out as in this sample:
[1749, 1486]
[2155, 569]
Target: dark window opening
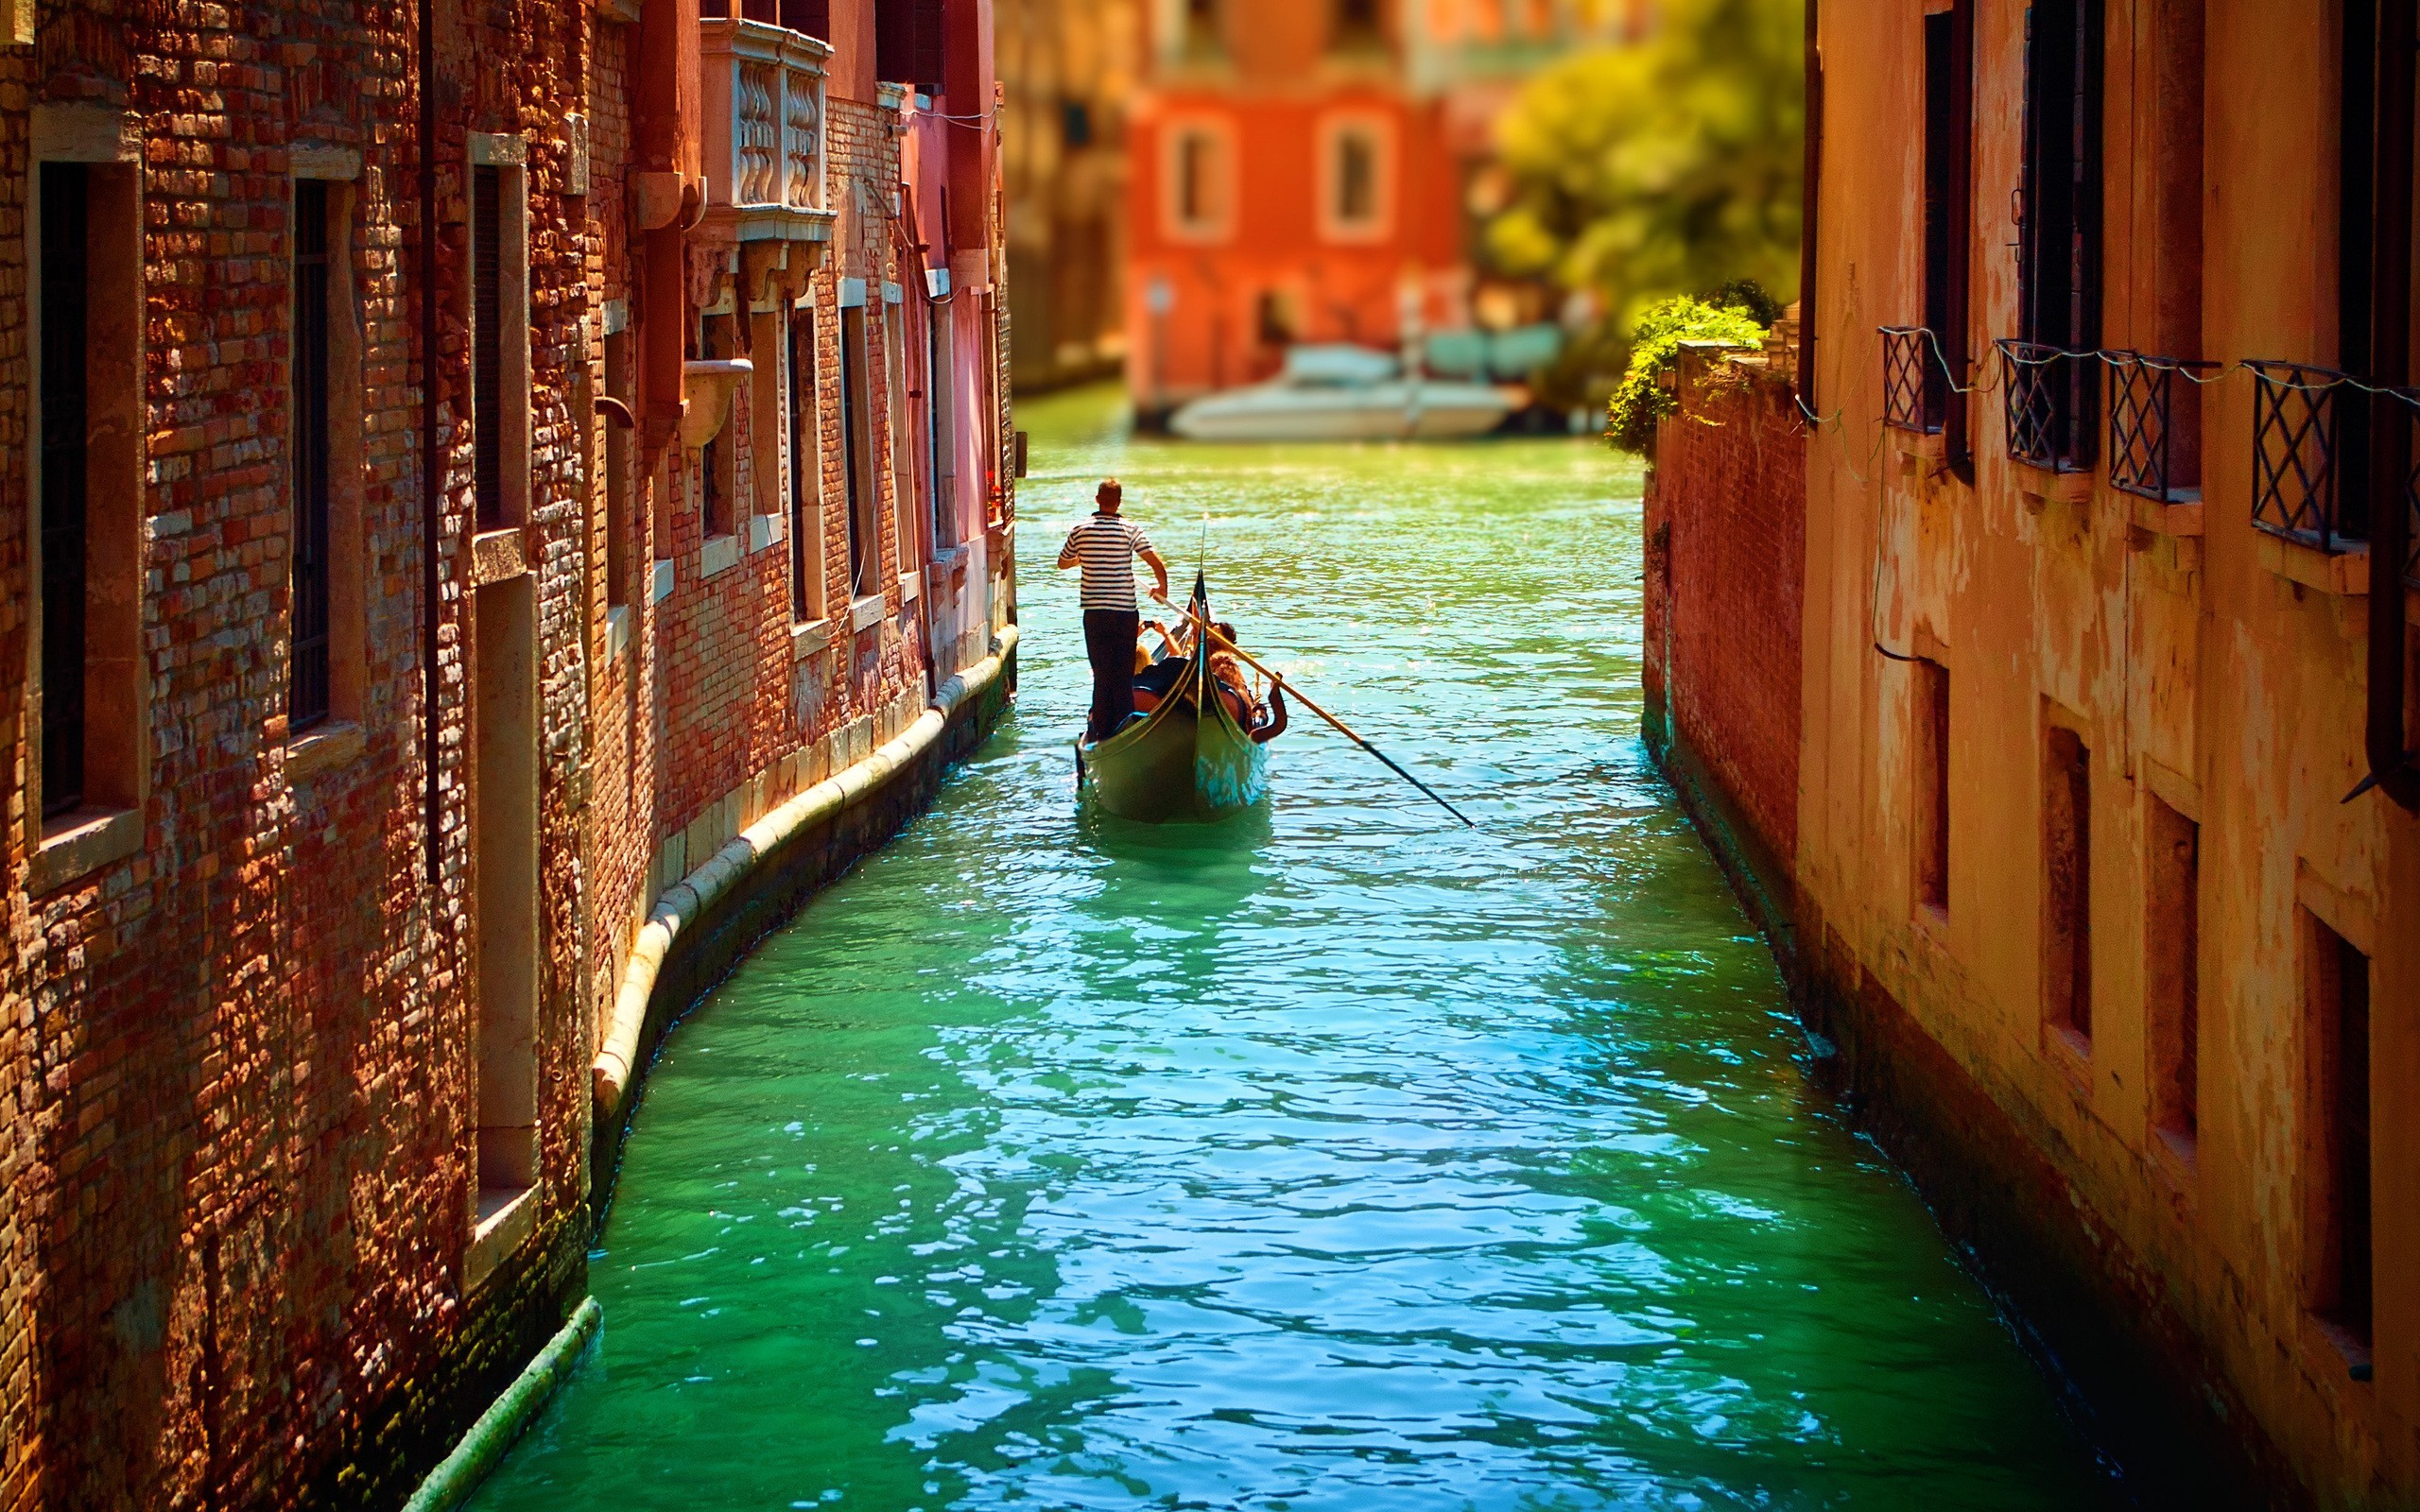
[2173, 934]
[307, 676]
[2066, 883]
[1932, 785]
[857, 468]
[1357, 26]
[1075, 126]
[908, 42]
[813, 17]
[2058, 232]
[2345, 1280]
[1356, 178]
[65, 332]
[805, 592]
[1949, 132]
[619, 446]
[714, 462]
[487, 345]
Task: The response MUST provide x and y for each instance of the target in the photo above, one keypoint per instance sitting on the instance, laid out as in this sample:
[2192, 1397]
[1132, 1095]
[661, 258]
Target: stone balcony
[764, 113]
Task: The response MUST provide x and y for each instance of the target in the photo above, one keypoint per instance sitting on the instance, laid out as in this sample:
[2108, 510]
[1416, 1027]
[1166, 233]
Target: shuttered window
[308, 655]
[66, 330]
[487, 345]
[806, 565]
[1949, 220]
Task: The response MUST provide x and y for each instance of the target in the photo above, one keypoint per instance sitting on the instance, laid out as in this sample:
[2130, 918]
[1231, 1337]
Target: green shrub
[1639, 400]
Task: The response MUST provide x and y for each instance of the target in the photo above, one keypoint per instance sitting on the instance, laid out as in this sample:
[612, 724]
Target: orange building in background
[1306, 172]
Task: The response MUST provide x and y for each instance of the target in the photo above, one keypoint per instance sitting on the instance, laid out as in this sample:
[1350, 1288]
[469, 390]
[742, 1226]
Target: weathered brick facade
[1726, 538]
[270, 1051]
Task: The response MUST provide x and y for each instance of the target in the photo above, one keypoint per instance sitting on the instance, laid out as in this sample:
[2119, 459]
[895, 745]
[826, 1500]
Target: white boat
[1342, 393]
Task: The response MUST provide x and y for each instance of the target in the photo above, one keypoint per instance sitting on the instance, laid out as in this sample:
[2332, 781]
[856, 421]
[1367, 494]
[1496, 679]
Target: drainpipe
[432, 516]
[1812, 177]
[2392, 769]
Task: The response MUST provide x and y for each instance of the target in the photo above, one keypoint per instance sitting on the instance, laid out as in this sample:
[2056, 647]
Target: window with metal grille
[306, 688]
[2050, 396]
[487, 345]
[716, 462]
[65, 330]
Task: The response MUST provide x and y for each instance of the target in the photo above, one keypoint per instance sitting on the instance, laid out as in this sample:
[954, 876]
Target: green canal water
[1333, 1158]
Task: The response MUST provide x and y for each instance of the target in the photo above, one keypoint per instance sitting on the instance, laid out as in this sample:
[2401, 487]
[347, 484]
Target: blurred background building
[1068, 71]
[1195, 185]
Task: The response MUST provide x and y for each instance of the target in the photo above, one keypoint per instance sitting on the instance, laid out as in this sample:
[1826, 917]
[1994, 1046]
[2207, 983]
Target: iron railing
[2142, 421]
[1915, 386]
[2049, 394]
[2293, 455]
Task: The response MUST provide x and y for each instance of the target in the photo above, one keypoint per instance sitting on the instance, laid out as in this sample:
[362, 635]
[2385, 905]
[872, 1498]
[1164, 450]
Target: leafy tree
[1662, 168]
[1730, 313]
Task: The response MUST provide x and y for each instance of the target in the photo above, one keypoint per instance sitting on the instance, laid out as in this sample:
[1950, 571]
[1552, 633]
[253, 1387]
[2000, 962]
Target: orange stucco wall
[2205, 666]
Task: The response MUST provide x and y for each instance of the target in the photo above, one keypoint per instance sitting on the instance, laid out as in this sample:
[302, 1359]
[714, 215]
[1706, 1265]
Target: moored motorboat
[1187, 759]
[1344, 394]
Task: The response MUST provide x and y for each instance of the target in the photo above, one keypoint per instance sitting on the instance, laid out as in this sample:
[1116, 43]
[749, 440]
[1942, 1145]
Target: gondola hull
[1177, 763]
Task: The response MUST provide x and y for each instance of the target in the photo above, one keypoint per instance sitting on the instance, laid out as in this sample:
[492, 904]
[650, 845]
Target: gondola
[1187, 759]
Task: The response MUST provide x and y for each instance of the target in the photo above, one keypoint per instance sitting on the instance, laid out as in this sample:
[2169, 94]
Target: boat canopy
[1338, 364]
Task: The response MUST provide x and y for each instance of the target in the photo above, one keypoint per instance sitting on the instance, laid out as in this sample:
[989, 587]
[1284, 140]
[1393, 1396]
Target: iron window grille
[2049, 394]
[1915, 387]
[308, 679]
[2142, 421]
[2294, 423]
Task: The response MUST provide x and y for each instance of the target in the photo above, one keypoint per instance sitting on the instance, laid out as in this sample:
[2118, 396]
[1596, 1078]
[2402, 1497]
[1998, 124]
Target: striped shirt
[1105, 546]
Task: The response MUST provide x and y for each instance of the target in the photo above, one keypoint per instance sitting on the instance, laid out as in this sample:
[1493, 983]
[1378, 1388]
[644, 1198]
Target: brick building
[475, 468]
[2100, 875]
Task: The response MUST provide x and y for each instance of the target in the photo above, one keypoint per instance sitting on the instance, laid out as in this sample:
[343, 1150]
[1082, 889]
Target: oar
[1344, 729]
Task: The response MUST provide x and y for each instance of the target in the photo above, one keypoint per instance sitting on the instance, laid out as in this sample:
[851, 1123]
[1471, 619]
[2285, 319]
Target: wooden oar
[1205, 627]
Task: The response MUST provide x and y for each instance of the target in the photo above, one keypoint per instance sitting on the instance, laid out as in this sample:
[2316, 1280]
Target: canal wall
[1898, 1030]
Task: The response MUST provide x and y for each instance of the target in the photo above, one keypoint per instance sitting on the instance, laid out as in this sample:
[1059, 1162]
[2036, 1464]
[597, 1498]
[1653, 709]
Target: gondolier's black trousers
[1108, 642]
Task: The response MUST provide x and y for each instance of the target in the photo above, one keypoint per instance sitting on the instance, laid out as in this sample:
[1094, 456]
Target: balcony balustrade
[764, 105]
[2049, 394]
[2295, 427]
[2143, 409]
[1915, 387]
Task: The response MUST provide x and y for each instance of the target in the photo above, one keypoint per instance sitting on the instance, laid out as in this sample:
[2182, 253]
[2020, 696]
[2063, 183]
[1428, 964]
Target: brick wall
[1726, 524]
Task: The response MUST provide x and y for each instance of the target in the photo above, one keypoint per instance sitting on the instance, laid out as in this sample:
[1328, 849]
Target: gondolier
[1105, 547]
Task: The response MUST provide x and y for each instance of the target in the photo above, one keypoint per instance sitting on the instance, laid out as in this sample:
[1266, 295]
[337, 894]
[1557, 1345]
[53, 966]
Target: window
[1203, 37]
[1356, 26]
[499, 335]
[2067, 885]
[620, 443]
[1354, 192]
[504, 815]
[2368, 245]
[1949, 203]
[807, 472]
[2177, 106]
[908, 42]
[1931, 738]
[857, 449]
[2059, 225]
[940, 425]
[2173, 935]
[1198, 191]
[87, 619]
[902, 394]
[65, 269]
[2337, 1134]
[307, 671]
[716, 473]
[1357, 176]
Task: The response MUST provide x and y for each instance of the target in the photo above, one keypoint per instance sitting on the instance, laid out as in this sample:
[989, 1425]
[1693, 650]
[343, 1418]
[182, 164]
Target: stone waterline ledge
[702, 925]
